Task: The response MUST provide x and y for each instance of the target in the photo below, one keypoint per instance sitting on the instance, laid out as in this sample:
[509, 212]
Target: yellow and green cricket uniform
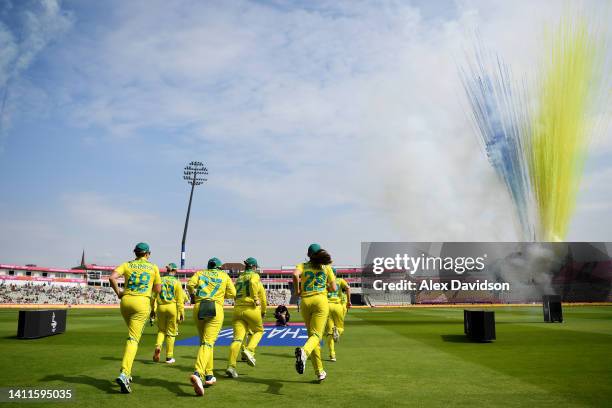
[169, 305]
[336, 315]
[343, 286]
[247, 315]
[139, 277]
[314, 307]
[210, 287]
[264, 307]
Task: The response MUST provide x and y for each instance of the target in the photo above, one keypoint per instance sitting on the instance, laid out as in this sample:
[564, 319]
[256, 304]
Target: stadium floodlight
[194, 173]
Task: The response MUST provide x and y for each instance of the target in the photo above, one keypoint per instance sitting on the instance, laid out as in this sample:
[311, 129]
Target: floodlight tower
[194, 174]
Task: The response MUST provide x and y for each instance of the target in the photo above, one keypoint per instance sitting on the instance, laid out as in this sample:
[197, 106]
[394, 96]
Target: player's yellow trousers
[208, 331]
[245, 318]
[167, 327]
[314, 311]
[135, 311]
[335, 319]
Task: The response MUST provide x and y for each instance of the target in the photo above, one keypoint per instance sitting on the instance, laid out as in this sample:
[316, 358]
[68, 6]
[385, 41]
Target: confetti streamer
[561, 128]
[500, 116]
[539, 149]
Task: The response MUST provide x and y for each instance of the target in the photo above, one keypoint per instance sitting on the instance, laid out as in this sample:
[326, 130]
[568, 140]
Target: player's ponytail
[321, 257]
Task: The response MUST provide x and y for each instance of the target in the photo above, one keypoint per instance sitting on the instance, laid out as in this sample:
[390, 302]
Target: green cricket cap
[171, 266]
[250, 261]
[142, 247]
[313, 249]
[214, 263]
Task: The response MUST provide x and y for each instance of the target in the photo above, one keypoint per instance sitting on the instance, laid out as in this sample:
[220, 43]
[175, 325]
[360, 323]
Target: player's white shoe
[335, 334]
[170, 360]
[231, 372]
[196, 381]
[321, 376]
[332, 358]
[300, 360]
[250, 358]
[124, 382]
[210, 380]
[156, 354]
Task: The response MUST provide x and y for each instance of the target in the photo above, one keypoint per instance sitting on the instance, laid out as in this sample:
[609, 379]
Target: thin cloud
[100, 212]
[26, 28]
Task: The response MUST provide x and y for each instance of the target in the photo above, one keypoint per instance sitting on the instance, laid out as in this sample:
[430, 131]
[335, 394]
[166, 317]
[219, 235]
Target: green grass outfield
[415, 357]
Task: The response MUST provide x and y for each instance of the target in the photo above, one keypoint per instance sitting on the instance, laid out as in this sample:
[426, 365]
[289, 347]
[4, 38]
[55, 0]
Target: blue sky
[334, 122]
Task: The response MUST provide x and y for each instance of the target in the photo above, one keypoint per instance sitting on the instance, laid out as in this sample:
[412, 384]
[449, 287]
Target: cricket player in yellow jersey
[249, 309]
[335, 320]
[141, 278]
[312, 280]
[264, 307]
[169, 311]
[208, 289]
[345, 297]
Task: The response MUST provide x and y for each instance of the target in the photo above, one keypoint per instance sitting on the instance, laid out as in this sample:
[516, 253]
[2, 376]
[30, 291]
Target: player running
[345, 297]
[335, 320]
[249, 310]
[208, 289]
[312, 280]
[169, 310]
[247, 338]
[141, 277]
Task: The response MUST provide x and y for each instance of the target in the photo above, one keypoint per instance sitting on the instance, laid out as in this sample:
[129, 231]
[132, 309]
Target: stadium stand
[431, 297]
[279, 296]
[53, 293]
[577, 279]
[47, 293]
[88, 283]
[471, 296]
[388, 299]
